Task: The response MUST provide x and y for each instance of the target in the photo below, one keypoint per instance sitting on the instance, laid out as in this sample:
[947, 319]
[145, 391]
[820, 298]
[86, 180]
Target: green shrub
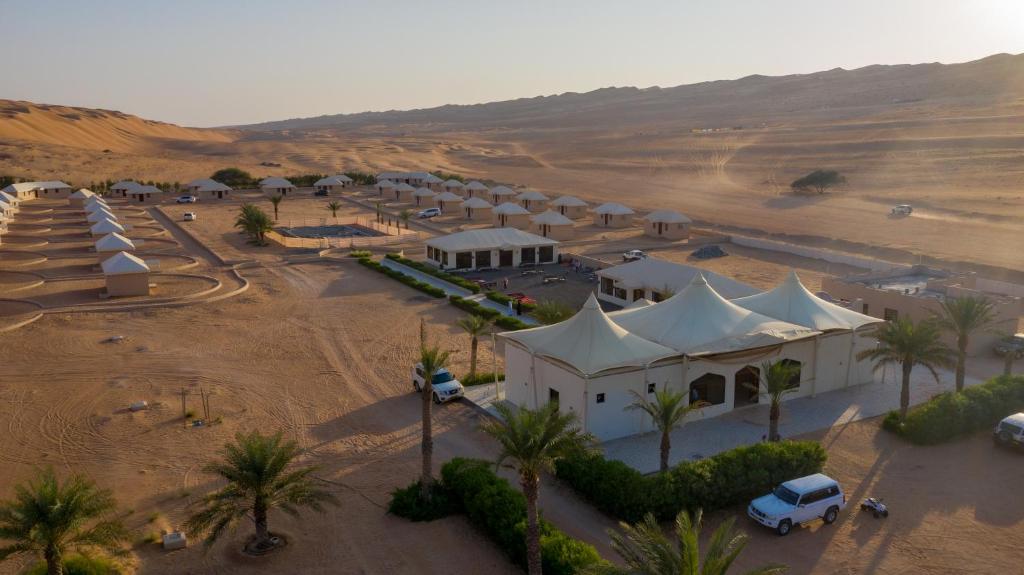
[481, 378]
[504, 300]
[504, 321]
[499, 511]
[407, 280]
[510, 323]
[951, 415]
[731, 477]
[360, 254]
[406, 502]
[81, 565]
[431, 270]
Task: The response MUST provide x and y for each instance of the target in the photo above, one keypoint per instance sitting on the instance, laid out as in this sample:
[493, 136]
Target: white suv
[444, 384]
[799, 501]
[1010, 431]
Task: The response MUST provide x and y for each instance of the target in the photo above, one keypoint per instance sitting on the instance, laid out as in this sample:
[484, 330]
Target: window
[865, 312]
[547, 254]
[444, 258]
[528, 256]
[619, 293]
[650, 388]
[709, 388]
[607, 286]
[638, 294]
[600, 398]
[553, 396]
[430, 252]
[890, 314]
[483, 259]
[794, 381]
[464, 260]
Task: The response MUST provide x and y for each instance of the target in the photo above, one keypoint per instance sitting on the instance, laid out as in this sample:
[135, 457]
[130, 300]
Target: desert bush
[431, 270]
[481, 378]
[360, 254]
[81, 565]
[503, 299]
[731, 477]
[406, 502]
[504, 321]
[951, 415]
[407, 280]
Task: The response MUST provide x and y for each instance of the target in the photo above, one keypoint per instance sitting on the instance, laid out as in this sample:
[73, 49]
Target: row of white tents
[125, 273]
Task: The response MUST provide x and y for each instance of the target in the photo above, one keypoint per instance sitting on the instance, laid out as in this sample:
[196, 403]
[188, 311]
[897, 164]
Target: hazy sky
[206, 63]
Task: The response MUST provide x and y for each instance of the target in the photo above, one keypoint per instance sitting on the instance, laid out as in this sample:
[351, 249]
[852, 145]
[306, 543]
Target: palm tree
[645, 548]
[902, 342]
[550, 312]
[776, 379]
[254, 222]
[48, 519]
[334, 207]
[260, 477]
[404, 215]
[668, 411]
[276, 200]
[532, 440]
[432, 359]
[475, 326]
[963, 316]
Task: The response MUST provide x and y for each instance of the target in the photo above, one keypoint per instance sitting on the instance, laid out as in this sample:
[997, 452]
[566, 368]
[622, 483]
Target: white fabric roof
[100, 215]
[510, 209]
[273, 182]
[590, 342]
[667, 217]
[404, 187]
[432, 179]
[82, 194]
[475, 185]
[791, 301]
[212, 186]
[403, 176]
[145, 190]
[531, 195]
[613, 209]
[124, 185]
[333, 180]
[570, 201]
[29, 186]
[502, 191]
[114, 242]
[106, 227]
[476, 203]
[447, 196]
[489, 238]
[698, 321]
[5, 206]
[424, 193]
[453, 184]
[4, 196]
[639, 303]
[123, 263]
[91, 207]
[656, 274]
[385, 184]
[551, 218]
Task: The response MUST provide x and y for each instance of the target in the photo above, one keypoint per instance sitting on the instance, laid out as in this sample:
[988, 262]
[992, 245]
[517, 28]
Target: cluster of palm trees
[50, 519]
[254, 222]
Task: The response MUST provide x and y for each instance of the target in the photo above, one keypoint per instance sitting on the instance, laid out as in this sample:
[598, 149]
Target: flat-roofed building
[490, 248]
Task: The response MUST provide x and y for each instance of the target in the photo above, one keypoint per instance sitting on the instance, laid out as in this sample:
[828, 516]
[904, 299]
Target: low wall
[587, 261]
[393, 234]
[814, 253]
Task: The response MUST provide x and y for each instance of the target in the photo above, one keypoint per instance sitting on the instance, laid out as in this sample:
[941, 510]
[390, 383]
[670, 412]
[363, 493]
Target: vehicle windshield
[442, 377]
[786, 494]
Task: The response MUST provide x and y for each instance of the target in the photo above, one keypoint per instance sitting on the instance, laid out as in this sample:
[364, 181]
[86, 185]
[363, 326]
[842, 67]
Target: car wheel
[416, 385]
[863, 507]
[437, 399]
[785, 526]
[831, 515]
[885, 513]
[876, 514]
[1004, 437]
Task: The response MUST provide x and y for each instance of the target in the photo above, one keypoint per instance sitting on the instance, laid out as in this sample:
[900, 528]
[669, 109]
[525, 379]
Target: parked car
[429, 213]
[799, 501]
[444, 384]
[1013, 344]
[1010, 431]
[186, 200]
[190, 216]
[320, 193]
[902, 210]
[633, 255]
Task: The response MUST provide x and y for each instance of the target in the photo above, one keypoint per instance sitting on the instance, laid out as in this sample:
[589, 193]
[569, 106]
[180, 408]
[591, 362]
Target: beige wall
[613, 221]
[104, 256]
[572, 212]
[519, 221]
[535, 206]
[211, 195]
[128, 284]
[55, 193]
[404, 197]
[559, 233]
[477, 214]
[672, 231]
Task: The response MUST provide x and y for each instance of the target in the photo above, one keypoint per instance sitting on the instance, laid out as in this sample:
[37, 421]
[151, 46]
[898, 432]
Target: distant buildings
[30, 190]
[490, 248]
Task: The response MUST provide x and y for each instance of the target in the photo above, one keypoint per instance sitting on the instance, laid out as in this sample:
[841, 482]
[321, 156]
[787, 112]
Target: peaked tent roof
[385, 184]
[212, 186]
[531, 195]
[510, 209]
[614, 209]
[502, 191]
[274, 182]
[333, 180]
[699, 321]
[106, 227]
[667, 217]
[657, 274]
[447, 196]
[91, 207]
[569, 201]
[590, 342]
[114, 242]
[424, 193]
[791, 301]
[432, 179]
[551, 218]
[82, 194]
[124, 185]
[123, 263]
[403, 187]
[99, 215]
[453, 184]
[475, 185]
[145, 190]
[476, 203]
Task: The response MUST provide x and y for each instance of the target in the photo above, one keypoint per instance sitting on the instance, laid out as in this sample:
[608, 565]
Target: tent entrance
[747, 385]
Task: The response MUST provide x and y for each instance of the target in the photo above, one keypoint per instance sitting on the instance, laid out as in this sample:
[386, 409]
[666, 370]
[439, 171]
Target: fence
[814, 253]
[392, 234]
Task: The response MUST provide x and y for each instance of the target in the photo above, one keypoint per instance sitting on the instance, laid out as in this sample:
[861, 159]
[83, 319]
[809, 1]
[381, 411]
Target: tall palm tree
[475, 326]
[645, 548]
[531, 441]
[668, 411]
[776, 378]
[260, 477]
[334, 207]
[550, 312]
[404, 215]
[49, 519]
[903, 342]
[962, 316]
[254, 222]
[276, 200]
[431, 360]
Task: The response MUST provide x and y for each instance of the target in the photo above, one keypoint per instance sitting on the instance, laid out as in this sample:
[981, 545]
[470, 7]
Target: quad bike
[875, 506]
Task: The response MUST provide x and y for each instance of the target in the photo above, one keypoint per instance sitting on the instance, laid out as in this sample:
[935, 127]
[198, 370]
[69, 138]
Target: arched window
[748, 381]
[709, 388]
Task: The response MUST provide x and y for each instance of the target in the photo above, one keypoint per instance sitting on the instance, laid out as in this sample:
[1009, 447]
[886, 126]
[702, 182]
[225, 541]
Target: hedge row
[430, 270]
[481, 378]
[499, 511]
[500, 320]
[503, 299]
[951, 415]
[407, 280]
[731, 477]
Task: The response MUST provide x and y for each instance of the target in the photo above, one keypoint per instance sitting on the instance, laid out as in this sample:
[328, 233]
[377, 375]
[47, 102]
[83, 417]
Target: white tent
[105, 227]
[82, 194]
[570, 207]
[123, 263]
[476, 209]
[667, 217]
[453, 185]
[699, 321]
[9, 198]
[424, 196]
[532, 200]
[276, 186]
[509, 215]
[552, 225]
[500, 194]
[792, 302]
[475, 189]
[94, 204]
[590, 342]
[613, 215]
[339, 180]
[115, 242]
[99, 215]
[403, 192]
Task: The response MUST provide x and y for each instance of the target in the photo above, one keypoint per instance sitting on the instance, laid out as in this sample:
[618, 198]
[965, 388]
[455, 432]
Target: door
[505, 258]
[746, 389]
[220, 195]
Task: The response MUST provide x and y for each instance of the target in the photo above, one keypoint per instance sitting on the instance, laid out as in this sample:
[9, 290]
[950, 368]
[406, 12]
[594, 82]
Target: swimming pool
[338, 231]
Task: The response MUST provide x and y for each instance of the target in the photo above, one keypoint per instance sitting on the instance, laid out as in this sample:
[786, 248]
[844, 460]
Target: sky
[221, 62]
